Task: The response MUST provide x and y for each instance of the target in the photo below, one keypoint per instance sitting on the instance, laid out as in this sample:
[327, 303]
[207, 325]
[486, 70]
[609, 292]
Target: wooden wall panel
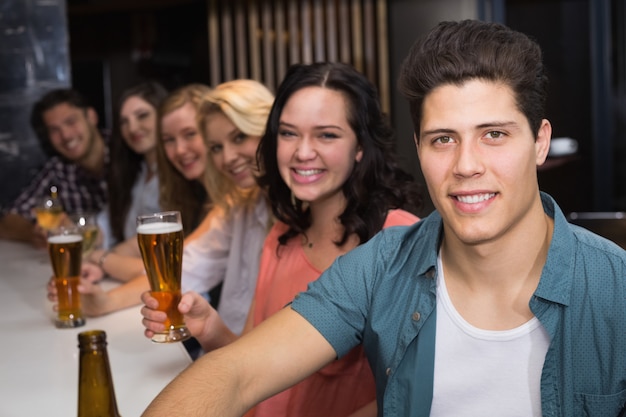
[260, 39]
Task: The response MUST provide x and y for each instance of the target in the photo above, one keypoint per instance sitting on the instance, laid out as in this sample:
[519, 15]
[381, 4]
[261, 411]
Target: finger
[149, 300]
[186, 302]
[183, 307]
[152, 326]
[86, 288]
[153, 315]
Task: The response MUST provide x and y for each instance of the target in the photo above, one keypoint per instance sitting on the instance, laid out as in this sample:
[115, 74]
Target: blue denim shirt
[383, 294]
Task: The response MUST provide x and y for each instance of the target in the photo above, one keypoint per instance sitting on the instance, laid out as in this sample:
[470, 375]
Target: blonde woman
[228, 249]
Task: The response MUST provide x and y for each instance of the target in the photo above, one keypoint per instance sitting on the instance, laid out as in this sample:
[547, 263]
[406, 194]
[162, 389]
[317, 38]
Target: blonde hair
[247, 104]
[175, 191]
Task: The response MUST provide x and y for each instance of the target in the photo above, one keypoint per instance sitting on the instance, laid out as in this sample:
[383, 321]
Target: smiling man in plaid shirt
[66, 127]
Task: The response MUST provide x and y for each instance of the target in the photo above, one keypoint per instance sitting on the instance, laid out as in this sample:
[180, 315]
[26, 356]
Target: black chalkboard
[33, 60]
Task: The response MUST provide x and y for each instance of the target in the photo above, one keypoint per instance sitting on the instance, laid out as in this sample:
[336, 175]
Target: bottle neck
[96, 395]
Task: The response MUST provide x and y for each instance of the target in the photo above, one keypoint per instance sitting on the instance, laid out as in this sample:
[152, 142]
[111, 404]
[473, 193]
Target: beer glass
[65, 248]
[160, 238]
[49, 213]
[86, 222]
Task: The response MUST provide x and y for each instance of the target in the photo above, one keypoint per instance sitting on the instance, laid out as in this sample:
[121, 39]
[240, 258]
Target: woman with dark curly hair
[327, 164]
[375, 184]
[331, 175]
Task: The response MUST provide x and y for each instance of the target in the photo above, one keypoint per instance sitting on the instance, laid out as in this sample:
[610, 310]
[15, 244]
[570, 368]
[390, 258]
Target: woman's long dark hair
[125, 163]
[377, 184]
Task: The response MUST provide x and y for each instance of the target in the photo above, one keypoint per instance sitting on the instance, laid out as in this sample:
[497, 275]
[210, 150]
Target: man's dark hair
[455, 52]
[47, 102]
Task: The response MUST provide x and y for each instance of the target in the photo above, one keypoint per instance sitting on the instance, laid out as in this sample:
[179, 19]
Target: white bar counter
[39, 363]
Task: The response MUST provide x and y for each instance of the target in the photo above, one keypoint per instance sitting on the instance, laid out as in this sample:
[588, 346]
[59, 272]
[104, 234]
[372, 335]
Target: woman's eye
[285, 133]
[215, 149]
[240, 137]
[329, 135]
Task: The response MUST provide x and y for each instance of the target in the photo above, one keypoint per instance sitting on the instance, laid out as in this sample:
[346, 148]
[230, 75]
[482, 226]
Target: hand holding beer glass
[160, 238]
[65, 248]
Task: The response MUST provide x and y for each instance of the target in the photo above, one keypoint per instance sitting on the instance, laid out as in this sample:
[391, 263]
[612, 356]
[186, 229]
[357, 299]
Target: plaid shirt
[78, 189]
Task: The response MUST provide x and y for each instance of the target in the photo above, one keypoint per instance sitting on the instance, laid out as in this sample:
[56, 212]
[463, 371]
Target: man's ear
[542, 142]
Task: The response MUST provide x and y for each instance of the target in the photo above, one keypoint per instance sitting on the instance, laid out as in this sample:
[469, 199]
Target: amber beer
[65, 257]
[161, 246]
[90, 238]
[49, 218]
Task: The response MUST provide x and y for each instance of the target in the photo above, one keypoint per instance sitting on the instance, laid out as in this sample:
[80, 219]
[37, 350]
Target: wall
[118, 44]
[34, 59]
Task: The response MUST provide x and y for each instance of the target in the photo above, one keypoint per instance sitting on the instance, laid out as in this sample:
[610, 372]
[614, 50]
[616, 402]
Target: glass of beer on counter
[50, 213]
[65, 246]
[86, 223]
[160, 237]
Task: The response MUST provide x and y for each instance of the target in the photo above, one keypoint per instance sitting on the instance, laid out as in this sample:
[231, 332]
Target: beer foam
[65, 238]
[158, 228]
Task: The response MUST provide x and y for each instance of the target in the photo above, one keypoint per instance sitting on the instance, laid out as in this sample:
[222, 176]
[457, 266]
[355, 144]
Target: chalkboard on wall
[34, 59]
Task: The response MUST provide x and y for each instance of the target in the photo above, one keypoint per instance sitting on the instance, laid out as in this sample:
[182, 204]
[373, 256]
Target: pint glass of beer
[65, 248]
[160, 238]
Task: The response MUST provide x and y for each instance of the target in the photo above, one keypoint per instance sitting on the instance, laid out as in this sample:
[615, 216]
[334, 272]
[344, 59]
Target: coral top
[341, 387]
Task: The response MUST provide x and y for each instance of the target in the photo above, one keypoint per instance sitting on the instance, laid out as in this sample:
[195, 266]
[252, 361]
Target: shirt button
[416, 316]
[388, 371]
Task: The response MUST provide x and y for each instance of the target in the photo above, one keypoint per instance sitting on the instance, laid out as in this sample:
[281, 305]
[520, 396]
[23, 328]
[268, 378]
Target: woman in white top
[233, 119]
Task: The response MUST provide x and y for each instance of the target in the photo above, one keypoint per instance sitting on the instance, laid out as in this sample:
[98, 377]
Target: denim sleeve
[337, 303]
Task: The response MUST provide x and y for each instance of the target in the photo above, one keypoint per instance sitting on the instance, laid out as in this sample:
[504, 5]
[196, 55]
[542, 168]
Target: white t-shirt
[485, 372]
[229, 251]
